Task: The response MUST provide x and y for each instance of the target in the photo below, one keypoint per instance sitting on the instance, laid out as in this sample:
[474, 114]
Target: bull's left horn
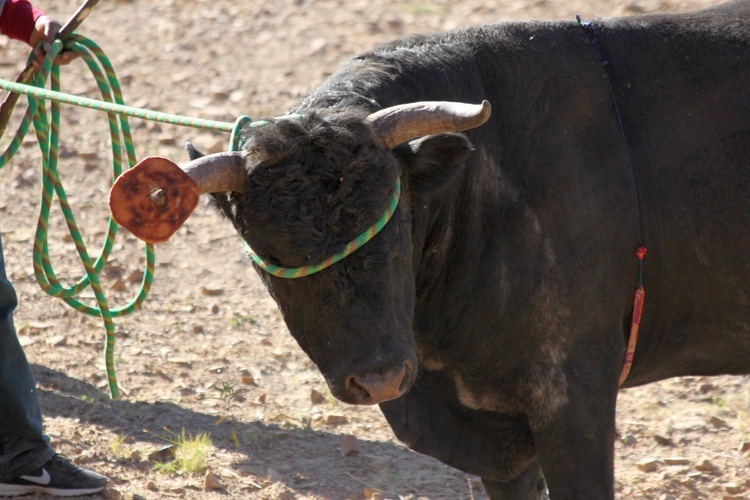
[155, 197]
[404, 122]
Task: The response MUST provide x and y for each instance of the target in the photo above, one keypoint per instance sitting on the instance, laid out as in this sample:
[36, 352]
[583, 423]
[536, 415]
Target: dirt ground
[208, 351]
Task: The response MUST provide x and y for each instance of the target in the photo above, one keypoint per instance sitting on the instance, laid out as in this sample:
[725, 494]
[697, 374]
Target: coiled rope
[47, 128]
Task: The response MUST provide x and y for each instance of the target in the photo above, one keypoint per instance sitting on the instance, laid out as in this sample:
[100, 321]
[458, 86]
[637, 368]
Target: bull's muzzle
[373, 388]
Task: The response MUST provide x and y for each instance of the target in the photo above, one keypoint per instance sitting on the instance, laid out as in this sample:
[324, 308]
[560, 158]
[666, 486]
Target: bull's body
[511, 273]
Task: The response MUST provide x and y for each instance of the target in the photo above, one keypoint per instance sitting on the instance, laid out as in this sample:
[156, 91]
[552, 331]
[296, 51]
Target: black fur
[509, 270]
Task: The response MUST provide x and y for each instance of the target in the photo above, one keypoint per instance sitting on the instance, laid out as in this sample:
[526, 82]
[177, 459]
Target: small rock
[88, 155]
[151, 486]
[648, 465]
[663, 440]
[705, 466]
[247, 377]
[317, 398]
[676, 461]
[184, 362]
[56, 341]
[135, 276]
[85, 457]
[732, 488]
[236, 96]
[118, 286]
[335, 420]
[26, 341]
[219, 95]
[162, 455]
[144, 466]
[318, 45]
[629, 440]
[211, 482]
[349, 446]
[186, 391]
[745, 448]
[718, 422]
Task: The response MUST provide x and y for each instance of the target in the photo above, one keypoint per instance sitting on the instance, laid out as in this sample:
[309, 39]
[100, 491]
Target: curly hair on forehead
[316, 183]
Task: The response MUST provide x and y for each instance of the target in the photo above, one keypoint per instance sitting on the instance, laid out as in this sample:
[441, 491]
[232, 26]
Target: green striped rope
[144, 114]
[118, 108]
[47, 128]
[349, 248]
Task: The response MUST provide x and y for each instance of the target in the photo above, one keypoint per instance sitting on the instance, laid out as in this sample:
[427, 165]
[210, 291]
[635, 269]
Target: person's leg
[27, 463]
[23, 445]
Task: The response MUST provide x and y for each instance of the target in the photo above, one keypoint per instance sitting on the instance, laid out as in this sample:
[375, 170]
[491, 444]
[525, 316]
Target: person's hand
[46, 29]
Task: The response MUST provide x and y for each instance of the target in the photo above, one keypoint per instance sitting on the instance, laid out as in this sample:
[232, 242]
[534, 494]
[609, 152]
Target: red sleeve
[18, 18]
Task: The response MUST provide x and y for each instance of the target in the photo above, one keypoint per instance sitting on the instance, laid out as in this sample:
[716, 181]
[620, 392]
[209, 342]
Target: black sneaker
[57, 477]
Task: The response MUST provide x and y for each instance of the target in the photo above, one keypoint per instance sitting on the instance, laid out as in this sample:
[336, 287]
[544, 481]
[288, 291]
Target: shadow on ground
[298, 449]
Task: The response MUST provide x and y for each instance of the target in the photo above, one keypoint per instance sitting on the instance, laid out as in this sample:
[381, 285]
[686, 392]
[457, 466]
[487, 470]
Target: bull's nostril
[355, 388]
[408, 368]
[374, 388]
[407, 378]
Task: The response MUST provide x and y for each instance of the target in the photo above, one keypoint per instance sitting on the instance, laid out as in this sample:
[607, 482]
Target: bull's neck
[448, 249]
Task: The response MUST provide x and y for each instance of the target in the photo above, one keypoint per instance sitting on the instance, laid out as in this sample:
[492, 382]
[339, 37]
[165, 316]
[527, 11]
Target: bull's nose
[373, 388]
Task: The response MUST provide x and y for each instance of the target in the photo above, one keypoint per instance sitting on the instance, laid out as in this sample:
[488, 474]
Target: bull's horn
[404, 122]
[218, 173]
[155, 197]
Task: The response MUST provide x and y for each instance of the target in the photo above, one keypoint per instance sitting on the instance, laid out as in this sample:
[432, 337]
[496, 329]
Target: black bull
[489, 317]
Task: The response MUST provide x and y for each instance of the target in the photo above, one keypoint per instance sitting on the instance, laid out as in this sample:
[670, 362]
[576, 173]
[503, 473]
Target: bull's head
[302, 189]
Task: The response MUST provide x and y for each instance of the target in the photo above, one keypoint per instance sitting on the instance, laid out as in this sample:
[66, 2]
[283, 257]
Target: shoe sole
[17, 490]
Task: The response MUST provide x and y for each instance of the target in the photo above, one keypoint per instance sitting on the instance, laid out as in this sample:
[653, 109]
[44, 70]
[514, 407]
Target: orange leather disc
[153, 199]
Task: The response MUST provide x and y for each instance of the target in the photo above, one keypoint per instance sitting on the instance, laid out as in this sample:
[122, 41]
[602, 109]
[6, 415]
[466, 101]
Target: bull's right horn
[219, 173]
[155, 197]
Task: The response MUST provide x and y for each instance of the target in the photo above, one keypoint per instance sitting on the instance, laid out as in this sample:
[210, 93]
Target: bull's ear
[192, 152]
[432, 161]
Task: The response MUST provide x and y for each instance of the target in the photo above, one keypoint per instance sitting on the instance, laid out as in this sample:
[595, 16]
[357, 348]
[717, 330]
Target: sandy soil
[208, 351]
